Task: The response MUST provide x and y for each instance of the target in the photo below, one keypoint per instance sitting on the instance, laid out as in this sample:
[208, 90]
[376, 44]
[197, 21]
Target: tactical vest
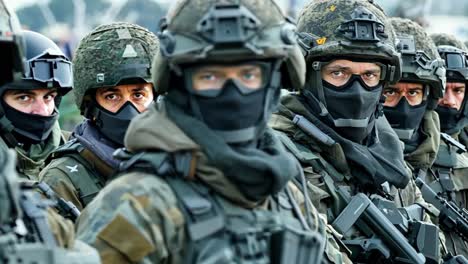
[448, 160]
[344, 215]
[319, 169]
[219, 231]
[26, 168]
[90, 183]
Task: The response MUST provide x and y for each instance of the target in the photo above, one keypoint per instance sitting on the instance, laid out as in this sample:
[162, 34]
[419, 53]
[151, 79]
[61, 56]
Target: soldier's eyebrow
[337, 68]
[52, 91]
[109, 89]
[28, 92]
[415, 88]
[376, 70]
[140, 88]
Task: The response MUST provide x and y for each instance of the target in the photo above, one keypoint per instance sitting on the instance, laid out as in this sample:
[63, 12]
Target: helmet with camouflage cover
[447, 39]
[12, 46]
[421, 61]
[193, 32]
[112, 54]
[357, 31]
[230, 32]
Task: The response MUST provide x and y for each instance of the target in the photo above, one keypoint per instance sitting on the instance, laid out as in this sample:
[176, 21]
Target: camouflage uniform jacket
[310, 153]
[74, 176]
[422, 158]
[315, 157]
[138, 216]
[31, 162]
[448, 176]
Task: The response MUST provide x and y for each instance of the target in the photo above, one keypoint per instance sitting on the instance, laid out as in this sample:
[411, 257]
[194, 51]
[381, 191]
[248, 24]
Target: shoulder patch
[116, 234]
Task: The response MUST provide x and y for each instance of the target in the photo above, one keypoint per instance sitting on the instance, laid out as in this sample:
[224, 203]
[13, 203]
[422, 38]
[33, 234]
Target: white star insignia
[73, 168]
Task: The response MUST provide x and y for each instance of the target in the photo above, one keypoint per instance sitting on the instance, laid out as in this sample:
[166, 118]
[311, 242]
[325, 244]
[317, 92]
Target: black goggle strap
[316, 83]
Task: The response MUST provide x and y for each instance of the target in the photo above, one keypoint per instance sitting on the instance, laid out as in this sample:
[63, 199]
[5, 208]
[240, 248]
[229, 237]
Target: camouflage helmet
[110, 55]
[12, 46]
[202, 31]
[421, 61]
[352, 29]
[447, 39]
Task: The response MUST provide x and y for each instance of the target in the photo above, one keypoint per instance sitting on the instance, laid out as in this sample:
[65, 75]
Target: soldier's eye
[111, 97]
[23, 98]
[208, 77]
[139, 95]
[389, 92]
[337, 74]
[414, 92]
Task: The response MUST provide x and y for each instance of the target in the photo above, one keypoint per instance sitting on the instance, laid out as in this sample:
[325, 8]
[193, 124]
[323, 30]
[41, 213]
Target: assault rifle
[451, 217]
[65, 208]
[382, 237]
[390, 233]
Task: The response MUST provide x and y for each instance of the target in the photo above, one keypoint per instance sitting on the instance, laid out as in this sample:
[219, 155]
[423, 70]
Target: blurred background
[67, 21]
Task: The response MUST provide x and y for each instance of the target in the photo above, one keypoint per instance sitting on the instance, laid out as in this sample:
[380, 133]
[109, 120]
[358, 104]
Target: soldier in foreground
[30, 232]
[448, 175]
[29, 106]
[204, 180]
[112, 85]
[351, 156]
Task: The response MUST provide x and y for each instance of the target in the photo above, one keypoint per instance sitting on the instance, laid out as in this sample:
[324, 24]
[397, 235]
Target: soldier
[112, 85]
[409, 105]
[334, 126]
[28, 109]
[30, 232]
[448, 174]
[205, 180]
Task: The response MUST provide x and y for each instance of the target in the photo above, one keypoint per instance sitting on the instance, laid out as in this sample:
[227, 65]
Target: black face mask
[404, 118]
[36, 128]
[232, 114]
[352, 107]
[231, 110]
[449, 118]
[114, 125]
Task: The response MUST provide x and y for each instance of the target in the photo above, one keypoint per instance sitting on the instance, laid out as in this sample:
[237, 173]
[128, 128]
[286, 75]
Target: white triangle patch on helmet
[129, 52]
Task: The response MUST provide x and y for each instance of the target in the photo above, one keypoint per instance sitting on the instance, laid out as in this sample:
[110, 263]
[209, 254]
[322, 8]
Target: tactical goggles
[341, 76]
[456, 61]
[209, 80]
[414, 95]
[47, 67]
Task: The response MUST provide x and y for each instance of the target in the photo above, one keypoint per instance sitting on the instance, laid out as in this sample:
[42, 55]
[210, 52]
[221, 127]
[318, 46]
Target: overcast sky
[20, 3]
